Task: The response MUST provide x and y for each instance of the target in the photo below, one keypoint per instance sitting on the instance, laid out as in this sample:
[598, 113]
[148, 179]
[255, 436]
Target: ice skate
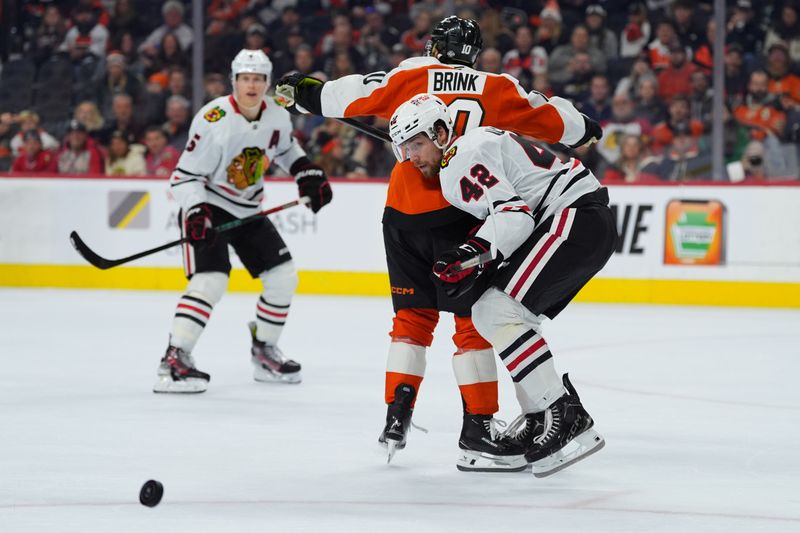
[483, 449]
[567, 436]
[398, 419]
[270, 364]
[177, 373]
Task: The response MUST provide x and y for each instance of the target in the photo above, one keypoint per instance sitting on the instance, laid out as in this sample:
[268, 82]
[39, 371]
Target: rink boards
[699, 244]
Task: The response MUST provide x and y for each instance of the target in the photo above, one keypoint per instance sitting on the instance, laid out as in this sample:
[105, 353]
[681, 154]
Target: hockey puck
[151, 493]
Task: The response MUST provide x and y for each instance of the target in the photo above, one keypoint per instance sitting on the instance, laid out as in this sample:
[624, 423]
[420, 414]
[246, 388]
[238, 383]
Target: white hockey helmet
[419, 115]
[251, 61]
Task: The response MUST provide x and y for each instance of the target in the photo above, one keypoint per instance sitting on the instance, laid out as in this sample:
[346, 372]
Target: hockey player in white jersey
[232, 141]
[549, 231]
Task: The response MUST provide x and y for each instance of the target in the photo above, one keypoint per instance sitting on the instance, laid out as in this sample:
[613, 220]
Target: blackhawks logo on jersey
[213, 115]
[448, 156]
[247, 167]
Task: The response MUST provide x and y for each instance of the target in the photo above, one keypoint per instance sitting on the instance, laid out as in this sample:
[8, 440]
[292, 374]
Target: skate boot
[177, 373]
[270, 364]
[483, 449]
[398, 419]
[525, 428]
[567, 436]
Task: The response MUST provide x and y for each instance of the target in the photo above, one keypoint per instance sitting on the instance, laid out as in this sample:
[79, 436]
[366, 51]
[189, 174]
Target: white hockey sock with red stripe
[194, 308]
[273, 305]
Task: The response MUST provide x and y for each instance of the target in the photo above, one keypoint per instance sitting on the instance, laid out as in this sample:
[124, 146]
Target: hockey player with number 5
[550, 230]
[218, 178]
[418, 222]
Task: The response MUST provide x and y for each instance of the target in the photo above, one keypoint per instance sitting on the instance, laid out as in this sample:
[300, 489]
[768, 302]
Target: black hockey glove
[199, 228]
[300, 89]
[447, 269]
[312, 182]
[593, 132]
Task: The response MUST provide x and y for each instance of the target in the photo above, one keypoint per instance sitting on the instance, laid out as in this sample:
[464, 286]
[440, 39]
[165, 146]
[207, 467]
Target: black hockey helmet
[456, 40]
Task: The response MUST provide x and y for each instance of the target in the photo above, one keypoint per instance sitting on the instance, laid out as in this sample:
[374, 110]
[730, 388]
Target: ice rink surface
[699, 407]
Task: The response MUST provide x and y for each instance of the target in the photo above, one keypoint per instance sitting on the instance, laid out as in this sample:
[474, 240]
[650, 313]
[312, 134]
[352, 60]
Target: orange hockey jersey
[475, 99]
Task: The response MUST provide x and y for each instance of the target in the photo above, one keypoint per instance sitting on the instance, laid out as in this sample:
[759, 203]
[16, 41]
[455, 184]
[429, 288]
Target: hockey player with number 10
[550, 231]
[218, 178]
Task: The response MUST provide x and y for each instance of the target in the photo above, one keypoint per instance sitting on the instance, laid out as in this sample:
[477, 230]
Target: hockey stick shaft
[102, 263]
[372, 131]
[485, 257]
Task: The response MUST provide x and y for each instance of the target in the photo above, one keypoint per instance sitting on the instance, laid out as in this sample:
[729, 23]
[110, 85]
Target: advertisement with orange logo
[694, 233]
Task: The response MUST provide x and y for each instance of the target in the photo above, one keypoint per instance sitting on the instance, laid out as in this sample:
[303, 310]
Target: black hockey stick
[103, 263]
[372, 131]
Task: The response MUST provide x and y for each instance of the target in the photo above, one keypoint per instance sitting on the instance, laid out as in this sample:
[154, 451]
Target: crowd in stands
[104, 86]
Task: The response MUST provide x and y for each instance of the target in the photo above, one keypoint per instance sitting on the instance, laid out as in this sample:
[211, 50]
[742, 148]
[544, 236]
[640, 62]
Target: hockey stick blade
[104, 264]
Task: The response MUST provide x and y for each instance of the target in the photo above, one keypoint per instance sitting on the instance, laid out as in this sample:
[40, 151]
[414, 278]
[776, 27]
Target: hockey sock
[194, 308]
[405, 364]
[476, 375]
[272, 308]
[530, 363]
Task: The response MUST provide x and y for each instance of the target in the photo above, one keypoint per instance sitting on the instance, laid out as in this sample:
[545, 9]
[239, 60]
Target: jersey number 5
[469, 190]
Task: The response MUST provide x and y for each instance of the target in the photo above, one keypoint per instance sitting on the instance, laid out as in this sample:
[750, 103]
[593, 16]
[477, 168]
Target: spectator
[214, 86]
[34, 158]
[758, 111]
[304, 59]
[169, 55]
[495, 34]
[686, 159]
[700, 99]
[704, 55]
[623, 122]
[524, 61]
[397, 55]
[561, 67]
[122, 119]
[781, 80]
[161, 158]
[786, 30]
[124, 159]
[116, 81]
[743, 28]
[89, 115]
[153, 100]
[598, 105]
[125, 18]
[341, 42]
[283, 57]
[600, 37]
[648, 105]
[659, 50]
[29, 121]
[490, 60]
[172, 11]
[687, 24]
[255, 38]
[417, 37]
[7, 132]
[80, 154]
[630, 83]
[628, 167]
[86, 32]
[550, 34]
[576, 87]
[227, 9]
[177, 124]
[177, 83]
[675, 78]
[49, 35]
[376, 25]
[735, 74]
[678, 121]
[636, 33]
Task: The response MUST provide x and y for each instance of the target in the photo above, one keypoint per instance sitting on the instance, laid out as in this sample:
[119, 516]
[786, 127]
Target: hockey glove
[593, 132]
[312, 182]
[199, 229]
[447, 269]
[300, 89]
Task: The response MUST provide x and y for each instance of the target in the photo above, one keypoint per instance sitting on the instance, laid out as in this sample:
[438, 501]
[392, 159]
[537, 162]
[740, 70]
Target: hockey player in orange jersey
[419, 223]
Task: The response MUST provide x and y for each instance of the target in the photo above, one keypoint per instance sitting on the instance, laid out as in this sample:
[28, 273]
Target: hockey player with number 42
[218, 178]
[550, 230]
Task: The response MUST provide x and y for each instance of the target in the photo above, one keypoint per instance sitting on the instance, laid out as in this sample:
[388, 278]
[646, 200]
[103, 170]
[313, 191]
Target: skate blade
[263, 375]
[391, 448]
[185, 386]
[472, 461]
[587, 443]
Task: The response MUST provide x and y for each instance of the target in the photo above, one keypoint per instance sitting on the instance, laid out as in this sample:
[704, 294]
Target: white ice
[699, 407]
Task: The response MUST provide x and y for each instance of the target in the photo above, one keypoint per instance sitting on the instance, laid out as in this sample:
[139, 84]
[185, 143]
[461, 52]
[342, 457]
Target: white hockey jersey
[522, 182]
[226, 156]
